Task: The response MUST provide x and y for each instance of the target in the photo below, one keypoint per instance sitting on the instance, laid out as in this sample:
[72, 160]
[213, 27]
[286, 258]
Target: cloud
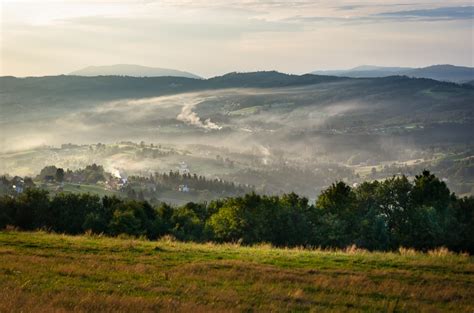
[182, 27]
[430, 14]
[350, 7]
[446, 13]
[214, 37]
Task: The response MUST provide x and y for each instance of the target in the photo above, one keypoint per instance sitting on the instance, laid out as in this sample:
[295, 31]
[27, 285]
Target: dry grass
[440, 252]
[41, 272]
[407, 251]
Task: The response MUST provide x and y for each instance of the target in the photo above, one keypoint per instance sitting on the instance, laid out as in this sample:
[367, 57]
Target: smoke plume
[190, 117]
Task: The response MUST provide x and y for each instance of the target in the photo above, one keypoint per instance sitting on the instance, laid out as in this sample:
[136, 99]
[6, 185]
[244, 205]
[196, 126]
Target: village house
[183, 188]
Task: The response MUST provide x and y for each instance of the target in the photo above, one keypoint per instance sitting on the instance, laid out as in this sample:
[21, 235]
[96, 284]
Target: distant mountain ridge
[64, 90]
[444, 72]
[458, 74]
[131, 70]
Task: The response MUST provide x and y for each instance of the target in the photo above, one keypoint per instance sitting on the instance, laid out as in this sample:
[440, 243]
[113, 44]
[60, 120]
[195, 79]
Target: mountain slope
[267, 79]
[131, 70]
[446, 72]
[395, 99]
[365, 71]
[71, 89]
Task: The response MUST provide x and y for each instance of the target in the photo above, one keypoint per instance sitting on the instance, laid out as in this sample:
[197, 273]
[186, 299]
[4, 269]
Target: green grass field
[82, 188]
[41, 272]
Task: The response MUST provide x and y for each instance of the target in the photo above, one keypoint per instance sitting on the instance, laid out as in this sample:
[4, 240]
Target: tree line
[377, 215]
[141, 187]
[90, 174]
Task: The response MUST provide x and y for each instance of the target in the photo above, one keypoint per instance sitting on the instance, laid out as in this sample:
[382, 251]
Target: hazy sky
[212, 37]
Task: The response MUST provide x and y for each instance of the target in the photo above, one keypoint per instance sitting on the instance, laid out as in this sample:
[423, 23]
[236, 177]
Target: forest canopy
[378, 215]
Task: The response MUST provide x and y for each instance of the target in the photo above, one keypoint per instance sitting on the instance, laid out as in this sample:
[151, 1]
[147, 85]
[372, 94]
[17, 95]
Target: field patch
[44, 272]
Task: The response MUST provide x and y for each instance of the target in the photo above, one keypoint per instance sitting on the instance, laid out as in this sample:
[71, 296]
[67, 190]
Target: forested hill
[116, 87]
[53, 89]
[443, 72]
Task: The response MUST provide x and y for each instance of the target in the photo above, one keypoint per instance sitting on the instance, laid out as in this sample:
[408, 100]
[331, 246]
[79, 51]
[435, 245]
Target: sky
[213, 37]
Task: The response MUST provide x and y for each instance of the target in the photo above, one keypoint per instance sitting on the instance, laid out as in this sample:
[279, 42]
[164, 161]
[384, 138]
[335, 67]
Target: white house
[183, 188]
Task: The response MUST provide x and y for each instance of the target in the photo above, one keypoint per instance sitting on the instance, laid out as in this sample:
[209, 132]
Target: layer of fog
[296, 128]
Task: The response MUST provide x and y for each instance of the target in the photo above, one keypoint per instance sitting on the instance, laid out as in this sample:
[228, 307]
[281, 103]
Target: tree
[428, 190]
[373, 232]
[186, 225]
[337, 199]
[70, 211]
[292, 220]
[228, 224]
[330, 232]
[392, 197]
[422, 229]
[33, 209]
[339, 203]
[460, 226]
[59, 175]
[29, 183]
[7, 211]
[48, 171]
[95, 222]
[125, 222]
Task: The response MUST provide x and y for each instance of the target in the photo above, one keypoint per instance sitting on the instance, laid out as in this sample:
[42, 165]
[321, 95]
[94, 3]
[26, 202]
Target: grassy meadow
[42, 272]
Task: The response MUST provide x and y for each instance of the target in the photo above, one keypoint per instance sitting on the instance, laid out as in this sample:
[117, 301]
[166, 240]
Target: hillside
[76, 92]
[61, 88]
[306, 128]
[47, 272]
[131, 70]
[444, 72]
[365, 71]
[459, 74]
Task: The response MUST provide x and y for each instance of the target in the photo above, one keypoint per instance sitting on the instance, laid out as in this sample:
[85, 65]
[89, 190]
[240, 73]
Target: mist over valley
[312, 130]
